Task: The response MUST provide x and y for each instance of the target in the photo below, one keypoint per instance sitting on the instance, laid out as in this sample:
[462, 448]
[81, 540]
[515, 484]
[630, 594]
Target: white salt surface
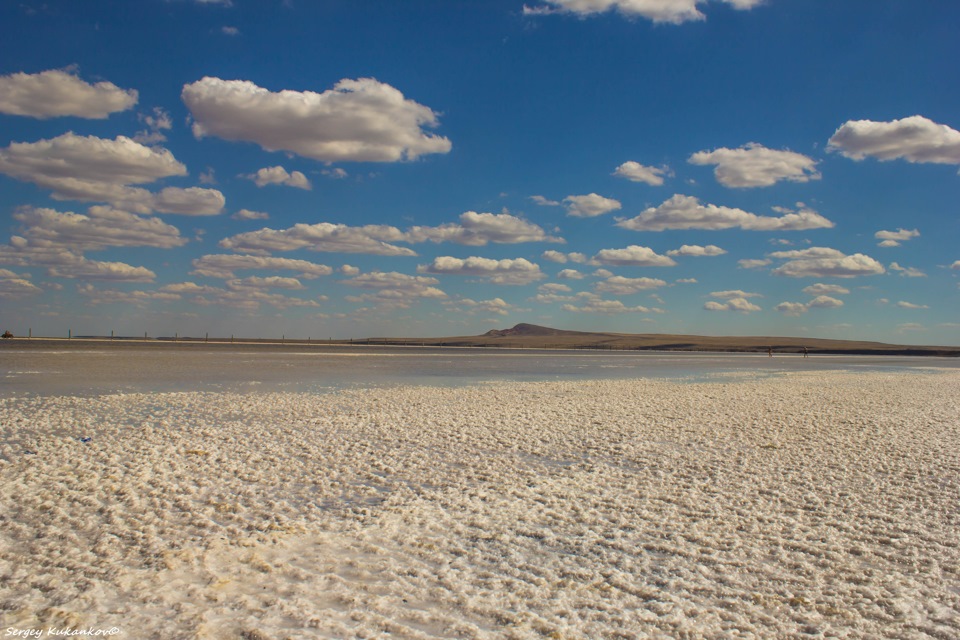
[799, 505]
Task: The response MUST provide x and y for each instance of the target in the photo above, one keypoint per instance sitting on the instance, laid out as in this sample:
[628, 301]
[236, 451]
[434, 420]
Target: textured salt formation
[800, 505]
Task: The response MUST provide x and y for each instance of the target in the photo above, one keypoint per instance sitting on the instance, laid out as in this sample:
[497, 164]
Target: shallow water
[97, 368]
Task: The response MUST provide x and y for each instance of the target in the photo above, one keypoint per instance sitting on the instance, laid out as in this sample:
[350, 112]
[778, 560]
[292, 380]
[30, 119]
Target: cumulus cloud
[247, 214]
[279, 175]
[99, 228]
[94, 169]
[158, 122]
[633, 255]
[192, 201]
[473, 229]
[570, 274]
[909, 305]
[697, 251]
[894, 238]
[554, 287]
[636, 172]
[563, 258]
[358, 120]
[734, 293]
[799, 308]
[823, 262]
[115, 296]
[820, 289]
[85, 269]
[590, 205]
[13, 285]
[517, 271]
[606, 307]
[396, 290]
[621, 286]
[497, 306]
[668, 11]
[907, 272]
[243, 293]
[324, 237]
[752, 263]
[55, 93]
[741, 305]
[754, 165]
[686, 212]
[544, 202]
[915, 139]
[478, 229]
[224, 266]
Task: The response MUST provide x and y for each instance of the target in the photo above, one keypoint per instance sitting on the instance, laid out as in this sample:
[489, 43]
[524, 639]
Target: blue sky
[437, 167]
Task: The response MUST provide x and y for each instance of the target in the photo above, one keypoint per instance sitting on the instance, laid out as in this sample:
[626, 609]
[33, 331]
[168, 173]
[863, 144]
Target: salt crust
[802, 505]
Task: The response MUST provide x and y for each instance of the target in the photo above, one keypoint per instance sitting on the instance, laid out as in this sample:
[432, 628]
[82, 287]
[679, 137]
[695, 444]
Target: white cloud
[606, 307]
[696, 250]
[799, 308]
[633, 255]
[358, 120]
[735, 293]
[543, 202]
[94, 169]
[224, 265]
[894, 238]
[323, 236]
[823, 262]
[247, 214]
[395, 290]
[554, 287]
[621, 286]
[741, 305]
[636, 172]
[71, 164]
[590, 205]
[100, 228]
[349, 270]
[269, 282]
[570, 274]
[955, 265]
[115, 296]
[754, 165]
[824, 302]
[230, 31]
[910, 305]
[336, 173]
[109, 271]
[156, 123]
[562, 258]
[669, 11]
[748, 263]
[820, 289]
[478, 229]
[915, 139]
[55, 93]
[686, 212]
[279, 175]
[192, 201]
[516, 271]
[907, 272]
[13, 285]
[497, 306]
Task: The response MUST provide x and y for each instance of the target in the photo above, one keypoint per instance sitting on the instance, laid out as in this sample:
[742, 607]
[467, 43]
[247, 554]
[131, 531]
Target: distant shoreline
[574, 341]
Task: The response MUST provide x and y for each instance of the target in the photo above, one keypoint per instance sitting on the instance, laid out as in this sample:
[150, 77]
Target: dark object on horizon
[6, 335]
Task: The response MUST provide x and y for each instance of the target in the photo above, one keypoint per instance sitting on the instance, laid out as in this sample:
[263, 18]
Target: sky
[358, 168]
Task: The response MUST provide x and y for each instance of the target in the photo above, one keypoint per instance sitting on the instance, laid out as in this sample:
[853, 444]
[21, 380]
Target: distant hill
[533, 336]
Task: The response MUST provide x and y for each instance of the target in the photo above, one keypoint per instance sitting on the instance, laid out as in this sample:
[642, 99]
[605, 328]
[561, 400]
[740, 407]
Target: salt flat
[793, 505]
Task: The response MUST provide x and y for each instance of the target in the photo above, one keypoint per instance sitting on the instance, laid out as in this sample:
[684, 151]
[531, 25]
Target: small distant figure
[7, 335]
[805, 353]
[770, 351]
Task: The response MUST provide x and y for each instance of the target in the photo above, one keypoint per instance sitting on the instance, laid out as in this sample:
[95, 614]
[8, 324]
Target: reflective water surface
[94, 368]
